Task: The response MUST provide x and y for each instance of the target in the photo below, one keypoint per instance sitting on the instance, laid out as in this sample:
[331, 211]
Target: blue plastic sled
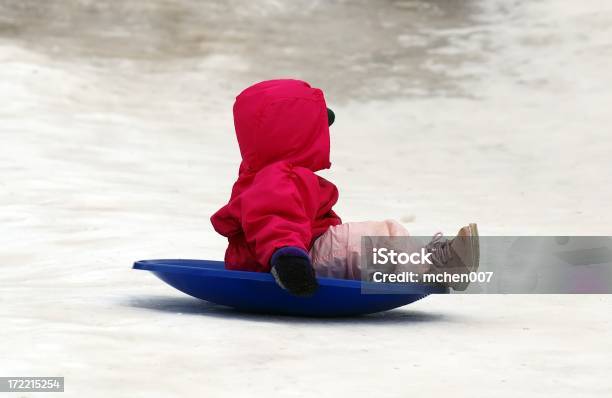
[258, 292]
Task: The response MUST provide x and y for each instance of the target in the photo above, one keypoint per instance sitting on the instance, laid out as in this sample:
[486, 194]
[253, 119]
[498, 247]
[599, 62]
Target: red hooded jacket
[278, 200]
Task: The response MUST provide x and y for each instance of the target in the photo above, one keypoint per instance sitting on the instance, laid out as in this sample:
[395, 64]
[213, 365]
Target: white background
[116, 144]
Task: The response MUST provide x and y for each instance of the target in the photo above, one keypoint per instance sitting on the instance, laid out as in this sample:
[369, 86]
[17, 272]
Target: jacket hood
[282, 120]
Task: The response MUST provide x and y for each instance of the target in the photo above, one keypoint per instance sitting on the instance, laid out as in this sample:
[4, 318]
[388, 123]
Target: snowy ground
[117, 144]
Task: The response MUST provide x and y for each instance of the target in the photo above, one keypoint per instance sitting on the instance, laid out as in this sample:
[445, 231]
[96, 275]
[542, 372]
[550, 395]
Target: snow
[117, 145]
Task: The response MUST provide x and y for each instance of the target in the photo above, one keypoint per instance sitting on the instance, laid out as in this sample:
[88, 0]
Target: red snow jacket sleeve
[278, 209]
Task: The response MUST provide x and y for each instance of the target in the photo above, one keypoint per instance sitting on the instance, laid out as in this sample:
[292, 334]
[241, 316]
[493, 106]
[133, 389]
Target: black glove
[293, 272]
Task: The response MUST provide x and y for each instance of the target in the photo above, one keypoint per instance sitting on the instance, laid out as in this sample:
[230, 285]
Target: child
[279, 218]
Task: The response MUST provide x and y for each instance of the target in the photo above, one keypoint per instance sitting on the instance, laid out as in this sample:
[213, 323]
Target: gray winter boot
[460, 255]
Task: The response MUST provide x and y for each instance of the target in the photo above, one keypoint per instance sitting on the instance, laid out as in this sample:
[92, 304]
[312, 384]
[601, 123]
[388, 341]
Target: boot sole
[475, 243]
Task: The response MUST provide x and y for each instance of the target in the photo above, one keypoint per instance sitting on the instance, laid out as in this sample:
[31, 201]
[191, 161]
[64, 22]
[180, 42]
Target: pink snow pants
[337, 253]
